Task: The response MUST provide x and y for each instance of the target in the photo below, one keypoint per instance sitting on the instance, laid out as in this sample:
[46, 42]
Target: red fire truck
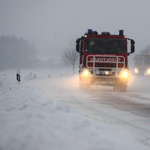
[104, 59]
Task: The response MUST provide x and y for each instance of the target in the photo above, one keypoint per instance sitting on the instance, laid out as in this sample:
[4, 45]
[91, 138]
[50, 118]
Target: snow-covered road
[128, 111]
[119, 110]
[50, 112]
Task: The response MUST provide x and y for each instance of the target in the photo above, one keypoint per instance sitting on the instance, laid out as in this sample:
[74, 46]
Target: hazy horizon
[55, 25]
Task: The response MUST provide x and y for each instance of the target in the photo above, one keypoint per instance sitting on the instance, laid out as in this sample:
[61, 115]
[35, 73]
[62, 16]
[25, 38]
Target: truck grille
[107, 65]
[102, 61]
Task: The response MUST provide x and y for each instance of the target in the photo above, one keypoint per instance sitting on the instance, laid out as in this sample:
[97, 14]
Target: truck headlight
[125, 73]
[106, 72]
[86, 73]
[148, 71]
[136, 70]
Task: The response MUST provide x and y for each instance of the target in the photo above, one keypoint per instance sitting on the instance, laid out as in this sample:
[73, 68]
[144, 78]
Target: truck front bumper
[104, 80]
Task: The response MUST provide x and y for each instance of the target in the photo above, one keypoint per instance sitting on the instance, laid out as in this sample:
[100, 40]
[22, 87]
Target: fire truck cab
[104, 59]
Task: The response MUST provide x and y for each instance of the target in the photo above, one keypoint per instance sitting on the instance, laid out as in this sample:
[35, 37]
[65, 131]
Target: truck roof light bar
[89, 31]
[105, 33]
[120, 32]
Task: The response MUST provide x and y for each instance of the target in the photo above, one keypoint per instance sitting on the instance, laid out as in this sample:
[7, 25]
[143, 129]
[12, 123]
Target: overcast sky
[54, 25]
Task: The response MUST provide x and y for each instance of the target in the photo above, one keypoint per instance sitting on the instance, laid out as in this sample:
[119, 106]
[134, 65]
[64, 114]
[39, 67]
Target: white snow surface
[32, 118]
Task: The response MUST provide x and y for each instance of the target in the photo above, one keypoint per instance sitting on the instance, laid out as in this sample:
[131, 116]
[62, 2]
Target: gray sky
[54, 25]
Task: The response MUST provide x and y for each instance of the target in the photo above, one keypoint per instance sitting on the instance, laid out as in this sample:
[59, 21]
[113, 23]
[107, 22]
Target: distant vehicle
[104, 59]
[142, 64]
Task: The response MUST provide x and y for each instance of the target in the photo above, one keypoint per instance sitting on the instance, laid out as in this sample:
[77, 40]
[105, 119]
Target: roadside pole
[18, 75]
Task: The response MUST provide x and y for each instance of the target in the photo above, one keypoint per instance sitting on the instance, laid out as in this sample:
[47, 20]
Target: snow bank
[29, 121]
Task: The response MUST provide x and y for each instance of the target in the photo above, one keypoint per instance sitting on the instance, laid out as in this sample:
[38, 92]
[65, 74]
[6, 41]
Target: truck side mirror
[132, 42]
[132, 46]
[77, 45]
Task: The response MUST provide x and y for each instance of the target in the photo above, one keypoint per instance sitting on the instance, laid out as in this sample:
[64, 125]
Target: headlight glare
[125, 74]
[148, 71]
[106, 72]
[86, 72]
[136, 70]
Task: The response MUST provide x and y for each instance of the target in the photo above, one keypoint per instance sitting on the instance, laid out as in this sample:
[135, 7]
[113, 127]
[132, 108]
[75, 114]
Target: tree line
[20, 53]
[16, 52]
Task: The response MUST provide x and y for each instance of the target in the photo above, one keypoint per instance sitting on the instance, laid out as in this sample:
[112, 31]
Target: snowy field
[32, 118]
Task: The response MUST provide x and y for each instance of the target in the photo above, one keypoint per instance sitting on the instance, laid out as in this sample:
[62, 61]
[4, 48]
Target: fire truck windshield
[105, 45]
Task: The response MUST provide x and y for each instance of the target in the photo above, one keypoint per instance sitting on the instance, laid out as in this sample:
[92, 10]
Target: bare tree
[71, 55]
